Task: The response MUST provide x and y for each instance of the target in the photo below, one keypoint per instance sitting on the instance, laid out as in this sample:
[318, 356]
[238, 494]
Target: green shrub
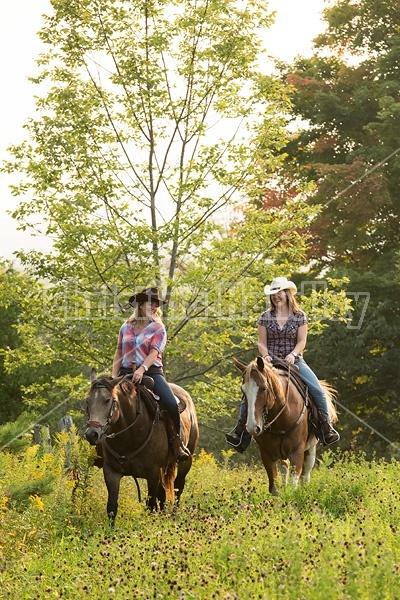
[230, 539]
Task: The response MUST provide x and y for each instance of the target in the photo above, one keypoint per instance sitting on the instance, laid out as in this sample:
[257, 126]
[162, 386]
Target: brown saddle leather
[152, 400]
[293, 372]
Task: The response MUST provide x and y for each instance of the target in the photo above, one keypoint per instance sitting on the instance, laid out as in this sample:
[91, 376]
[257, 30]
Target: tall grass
[336, 538]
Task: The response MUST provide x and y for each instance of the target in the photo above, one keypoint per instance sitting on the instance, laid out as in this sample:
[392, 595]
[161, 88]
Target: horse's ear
[260, 363]
[116, 380]
[241, 366]
[93, 375]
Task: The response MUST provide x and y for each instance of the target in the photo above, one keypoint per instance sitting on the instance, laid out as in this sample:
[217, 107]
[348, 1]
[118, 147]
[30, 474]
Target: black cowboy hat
[147, 295]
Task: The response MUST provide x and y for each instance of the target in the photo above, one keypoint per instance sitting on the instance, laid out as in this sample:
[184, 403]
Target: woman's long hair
[137, 315]
[293, 306]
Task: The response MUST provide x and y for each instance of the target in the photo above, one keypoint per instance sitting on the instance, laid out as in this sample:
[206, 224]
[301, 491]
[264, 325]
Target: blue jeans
[162, 389]
[314, 386]
[167, 398]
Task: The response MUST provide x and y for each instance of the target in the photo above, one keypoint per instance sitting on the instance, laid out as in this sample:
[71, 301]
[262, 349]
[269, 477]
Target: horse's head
[103, 408]
[259, 386]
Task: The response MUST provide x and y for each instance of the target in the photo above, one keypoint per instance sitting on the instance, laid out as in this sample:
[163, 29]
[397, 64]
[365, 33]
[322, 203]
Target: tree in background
[13, 289]
[141, 151]
[140, 164]
[348, 97]
[29, 364]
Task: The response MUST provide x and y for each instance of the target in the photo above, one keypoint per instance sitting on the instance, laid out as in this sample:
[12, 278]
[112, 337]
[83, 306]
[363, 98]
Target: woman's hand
[138, 374]
[290, 359]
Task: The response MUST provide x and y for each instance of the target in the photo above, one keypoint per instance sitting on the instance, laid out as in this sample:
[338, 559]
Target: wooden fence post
[41, 436]
[65, 423]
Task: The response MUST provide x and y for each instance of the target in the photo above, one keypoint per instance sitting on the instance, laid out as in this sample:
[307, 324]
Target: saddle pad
[181, 403]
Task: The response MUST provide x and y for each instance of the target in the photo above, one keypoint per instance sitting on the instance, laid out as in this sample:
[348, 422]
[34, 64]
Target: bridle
[96, 424]
[267, 425]
[104, 428]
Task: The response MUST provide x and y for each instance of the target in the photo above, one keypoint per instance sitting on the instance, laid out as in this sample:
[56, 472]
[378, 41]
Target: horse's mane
[103, 382]
[270, 374]
[109, 383]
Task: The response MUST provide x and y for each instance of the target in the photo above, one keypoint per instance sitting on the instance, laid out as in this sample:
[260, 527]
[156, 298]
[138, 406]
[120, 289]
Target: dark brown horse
[131, 433]
[277, 418]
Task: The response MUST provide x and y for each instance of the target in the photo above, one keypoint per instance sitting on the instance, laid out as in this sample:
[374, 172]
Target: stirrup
[235, 440]
[181, 452]
[330, 437]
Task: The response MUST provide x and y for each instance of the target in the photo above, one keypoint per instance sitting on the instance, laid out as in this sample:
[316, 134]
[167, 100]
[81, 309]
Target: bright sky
[297, 23]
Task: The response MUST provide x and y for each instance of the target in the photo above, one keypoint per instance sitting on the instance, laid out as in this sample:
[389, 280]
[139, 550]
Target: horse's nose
[254, 430]
[92, 435]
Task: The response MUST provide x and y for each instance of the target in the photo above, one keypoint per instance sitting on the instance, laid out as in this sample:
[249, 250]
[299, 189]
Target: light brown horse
[131, 434]
[277, 418]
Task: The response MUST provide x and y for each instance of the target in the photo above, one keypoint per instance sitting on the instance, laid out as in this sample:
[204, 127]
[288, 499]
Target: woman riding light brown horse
[277, 418]
[282, 334]
[132, 435]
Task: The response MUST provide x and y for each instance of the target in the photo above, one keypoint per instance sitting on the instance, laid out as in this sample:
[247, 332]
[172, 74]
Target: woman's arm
[140, 371]
[116, 362]
[300, 345]
[262, 342]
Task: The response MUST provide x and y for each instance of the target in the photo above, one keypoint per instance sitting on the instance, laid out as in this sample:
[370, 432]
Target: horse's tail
[330, 394]
[168, 481]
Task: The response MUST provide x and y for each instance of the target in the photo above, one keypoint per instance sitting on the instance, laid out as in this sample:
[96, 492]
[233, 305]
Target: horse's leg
[309, 462]
[113, 481]
[296, 462]
[153, 487]
[270, 467]
[183, 469]
[161, 496]
[284, 469]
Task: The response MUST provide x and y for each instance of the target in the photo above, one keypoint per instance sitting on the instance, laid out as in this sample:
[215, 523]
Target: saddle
[292, 371]
[145, 390]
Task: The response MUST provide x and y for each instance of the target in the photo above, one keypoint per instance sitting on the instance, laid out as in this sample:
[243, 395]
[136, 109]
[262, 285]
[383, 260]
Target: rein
[267, 424]
[117, 433]
[122, 457]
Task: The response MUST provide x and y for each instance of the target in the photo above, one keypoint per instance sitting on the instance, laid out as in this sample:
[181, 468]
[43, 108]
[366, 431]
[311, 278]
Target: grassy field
[337, 538]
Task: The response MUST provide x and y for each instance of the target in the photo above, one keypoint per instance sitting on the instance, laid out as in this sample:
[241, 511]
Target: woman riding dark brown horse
[141, 342]
[131, 433]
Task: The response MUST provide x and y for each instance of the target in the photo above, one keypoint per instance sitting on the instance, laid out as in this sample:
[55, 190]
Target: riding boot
[181, 452]
[239, 437]
[329, 434]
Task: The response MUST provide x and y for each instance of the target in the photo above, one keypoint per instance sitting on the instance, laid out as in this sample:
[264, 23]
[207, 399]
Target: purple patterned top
[282, 340]
[135, 347]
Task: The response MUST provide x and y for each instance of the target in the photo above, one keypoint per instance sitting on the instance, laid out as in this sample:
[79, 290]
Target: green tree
[139, 153]
[29, 364]
[348, 98]
[139, 165]
[13, 288]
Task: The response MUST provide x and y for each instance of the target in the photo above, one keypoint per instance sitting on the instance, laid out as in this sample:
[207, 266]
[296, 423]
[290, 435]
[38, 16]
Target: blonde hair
[137, 314]
[293, 306]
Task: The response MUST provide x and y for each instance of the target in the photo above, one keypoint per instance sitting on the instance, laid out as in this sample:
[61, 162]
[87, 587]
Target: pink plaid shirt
[135, 347]
[281, 341]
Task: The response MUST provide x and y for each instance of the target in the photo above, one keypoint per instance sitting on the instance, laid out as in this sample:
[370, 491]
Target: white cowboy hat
[279, 284]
